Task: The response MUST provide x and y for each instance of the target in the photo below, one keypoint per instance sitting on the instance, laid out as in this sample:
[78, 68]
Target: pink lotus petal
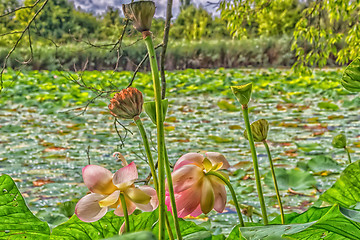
[185, 177]
[220, 193]
[189, 158]
[98, 179]
[125, 176]
[216, 157]
[196, 212]
[154, 202]
[187, 201]
[88, 208]
[130, 206]
[168, 201]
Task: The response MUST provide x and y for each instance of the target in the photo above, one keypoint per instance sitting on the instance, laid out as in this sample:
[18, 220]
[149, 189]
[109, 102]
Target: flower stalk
[233, 194]
[255, 162]
[160, 130]
[126, 216]
[172, 195]
[348, 153]
[275, 182]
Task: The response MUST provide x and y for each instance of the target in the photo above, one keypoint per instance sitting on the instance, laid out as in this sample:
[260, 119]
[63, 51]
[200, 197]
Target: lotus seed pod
[141, 13]
[127, 103]
[259, 129]
[242, 93]
[339, 141]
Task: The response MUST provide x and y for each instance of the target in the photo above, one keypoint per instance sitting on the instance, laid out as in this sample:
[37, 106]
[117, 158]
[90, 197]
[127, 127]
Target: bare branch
[164, 47]
[18, 41]
[20, 8]
[139, 66]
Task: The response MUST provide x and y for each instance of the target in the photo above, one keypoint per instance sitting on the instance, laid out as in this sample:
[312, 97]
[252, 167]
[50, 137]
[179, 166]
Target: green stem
[160, 131]
[152, 167]
[348, 153]
[172, 196]
[256, 165]
[126, 216]
[227, 182]
[148, 151]
[275, 182]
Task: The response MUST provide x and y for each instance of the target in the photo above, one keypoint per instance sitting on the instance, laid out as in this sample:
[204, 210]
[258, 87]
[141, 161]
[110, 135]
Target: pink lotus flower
[105, 193]
[195, 191]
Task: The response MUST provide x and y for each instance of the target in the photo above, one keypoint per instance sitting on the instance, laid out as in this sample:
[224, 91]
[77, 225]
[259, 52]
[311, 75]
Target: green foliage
[322, 30]
[345, 190]
[295, 179]
[17, 221]
[333, 222]
[351, 77]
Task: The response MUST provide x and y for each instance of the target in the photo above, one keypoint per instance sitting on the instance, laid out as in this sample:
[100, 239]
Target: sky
[99, 6]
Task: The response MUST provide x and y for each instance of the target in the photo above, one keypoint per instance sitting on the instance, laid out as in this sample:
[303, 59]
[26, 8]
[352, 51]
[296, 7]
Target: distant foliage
[322, 30]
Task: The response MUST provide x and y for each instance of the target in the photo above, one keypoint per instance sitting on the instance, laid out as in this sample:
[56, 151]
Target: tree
[325, 29]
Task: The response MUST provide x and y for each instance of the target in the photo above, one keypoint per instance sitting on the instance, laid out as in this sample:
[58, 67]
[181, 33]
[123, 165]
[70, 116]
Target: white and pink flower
[106, 188]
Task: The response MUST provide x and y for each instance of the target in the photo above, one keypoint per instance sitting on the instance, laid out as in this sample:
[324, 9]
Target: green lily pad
[227, 106]
[295, 179]
[328, 106]
[323, 163]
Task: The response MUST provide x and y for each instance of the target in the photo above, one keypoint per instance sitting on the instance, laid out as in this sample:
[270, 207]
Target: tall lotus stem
[255, 161]
[152, 168]
[172, 195]
[126, 216]
[233, 194]
[243, 94]
[160, 130]
[275, 182]
[348, 154]
[140, 126]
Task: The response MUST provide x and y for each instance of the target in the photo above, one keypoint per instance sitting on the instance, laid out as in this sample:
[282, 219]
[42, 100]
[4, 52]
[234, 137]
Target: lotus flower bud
[242, 93]
[127, 103]
[141, 13]
[339, 141]
[150, 109]
[259, 129]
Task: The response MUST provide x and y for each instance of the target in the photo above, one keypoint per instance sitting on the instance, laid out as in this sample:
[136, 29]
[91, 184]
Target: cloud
[100, 6]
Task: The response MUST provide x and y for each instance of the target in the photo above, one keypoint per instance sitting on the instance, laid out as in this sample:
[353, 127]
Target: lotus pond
[47, 135]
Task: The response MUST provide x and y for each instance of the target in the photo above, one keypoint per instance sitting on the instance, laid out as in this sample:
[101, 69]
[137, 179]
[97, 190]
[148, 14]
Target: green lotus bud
[339, 141]
[351, 78]
[150, 109]
[141, 13]
[242, 93]
[259, 129]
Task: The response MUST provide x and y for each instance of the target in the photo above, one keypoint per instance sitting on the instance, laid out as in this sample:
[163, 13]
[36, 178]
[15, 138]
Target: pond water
[44, 151]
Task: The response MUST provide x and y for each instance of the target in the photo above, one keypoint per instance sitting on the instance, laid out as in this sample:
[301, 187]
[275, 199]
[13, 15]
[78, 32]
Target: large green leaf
[293, 178]
[143, 235]
[16, 220]
[331, 222]
[109, 226]
[74, 228]
[346, 190]
[351, 77]
[333, 225]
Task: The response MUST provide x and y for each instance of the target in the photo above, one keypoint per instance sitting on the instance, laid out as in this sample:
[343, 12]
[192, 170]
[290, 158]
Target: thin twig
[18, 41]
[140, 64]
[20, 8]
[164, 47]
